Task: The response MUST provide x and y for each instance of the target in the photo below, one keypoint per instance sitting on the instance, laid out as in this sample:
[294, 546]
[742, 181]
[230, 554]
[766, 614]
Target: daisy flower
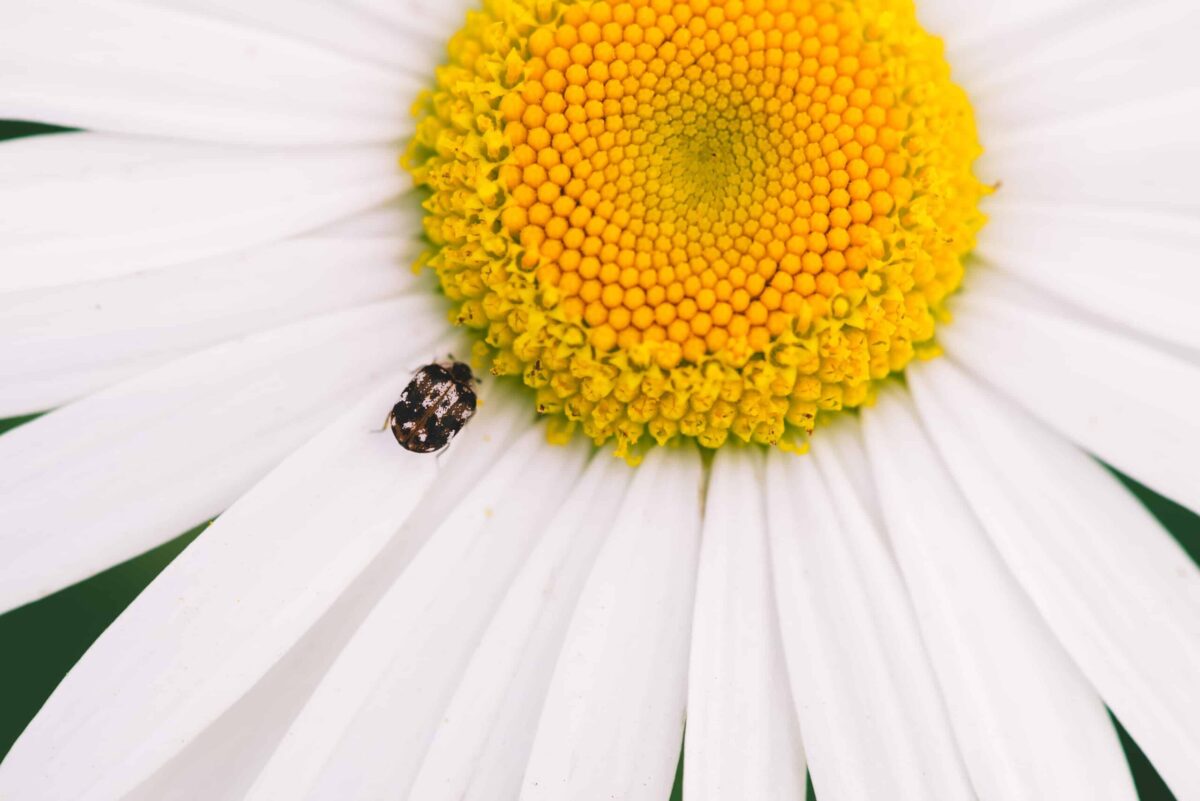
[859, 292]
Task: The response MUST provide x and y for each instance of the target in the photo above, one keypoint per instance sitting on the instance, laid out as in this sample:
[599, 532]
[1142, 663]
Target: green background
[41, 641]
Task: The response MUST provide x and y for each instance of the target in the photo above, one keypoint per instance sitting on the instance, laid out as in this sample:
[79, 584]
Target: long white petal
[104, 479]
[228, 608]
[743, 741]
[613, 718]
[1134, 269]
[85, 206]
[482, 742]
[146, 68]
[340, 27]
[221, 762]
[966, 27]
[1117, 591]
[365, 729]
[873, 723]
[1130, 403]
[440, 12]
[60, 343]
[399, 214]
[1136, 155]
[1087, 56]
[1028, 723]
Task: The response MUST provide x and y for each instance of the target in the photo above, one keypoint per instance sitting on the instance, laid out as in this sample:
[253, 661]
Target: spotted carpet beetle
[436, 404]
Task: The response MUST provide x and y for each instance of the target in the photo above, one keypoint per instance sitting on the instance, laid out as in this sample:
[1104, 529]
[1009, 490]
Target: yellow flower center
[697, 218]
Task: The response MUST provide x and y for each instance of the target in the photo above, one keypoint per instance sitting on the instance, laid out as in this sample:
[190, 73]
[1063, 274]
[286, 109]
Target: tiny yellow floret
[697, 218]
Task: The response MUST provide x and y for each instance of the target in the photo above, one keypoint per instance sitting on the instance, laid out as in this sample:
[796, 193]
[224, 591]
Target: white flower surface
[209, 285]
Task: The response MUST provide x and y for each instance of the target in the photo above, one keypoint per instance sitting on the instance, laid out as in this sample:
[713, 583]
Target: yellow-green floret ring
[695, 218]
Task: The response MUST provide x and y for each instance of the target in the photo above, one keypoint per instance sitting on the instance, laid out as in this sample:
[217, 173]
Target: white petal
[138, 67]
[613, 719]
[365, 729]
[60, 343]
[1028, 723]
[1137, 155]
[873, 723]
[84, 206]
[101, 480]
[340, 27]
[222, 761]
[482, 742]
[1119, 593]
[440, 12]
[227, 609]
[401, 214]
[1130, 403]
[742, 740]
[1105, 55]
[1134, 269]
[969, 28]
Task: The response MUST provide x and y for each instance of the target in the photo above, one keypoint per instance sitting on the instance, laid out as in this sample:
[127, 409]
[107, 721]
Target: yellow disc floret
[696, 218]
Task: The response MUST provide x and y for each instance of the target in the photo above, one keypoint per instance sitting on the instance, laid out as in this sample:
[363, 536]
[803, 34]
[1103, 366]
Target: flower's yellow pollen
[697, 219]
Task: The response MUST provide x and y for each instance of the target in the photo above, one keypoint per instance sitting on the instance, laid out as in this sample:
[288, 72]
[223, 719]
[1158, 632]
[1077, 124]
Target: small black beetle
[435, 405]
